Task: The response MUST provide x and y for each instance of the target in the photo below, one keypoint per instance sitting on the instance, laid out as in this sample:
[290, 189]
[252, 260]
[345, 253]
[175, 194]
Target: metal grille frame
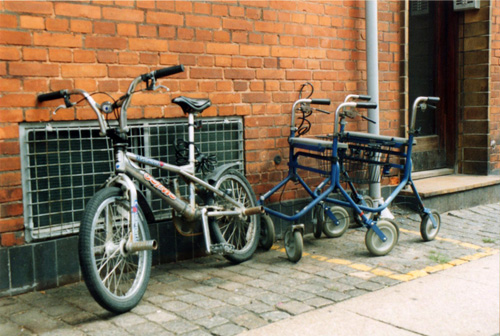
[64, 163]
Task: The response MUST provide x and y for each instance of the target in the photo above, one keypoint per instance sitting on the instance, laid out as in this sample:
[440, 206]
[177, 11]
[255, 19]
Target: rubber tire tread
[267, 233]
[427, 221]
[92, 281]
[238, 257]
[319, 214]
[295, 254]
[371, 235]
[336, 210]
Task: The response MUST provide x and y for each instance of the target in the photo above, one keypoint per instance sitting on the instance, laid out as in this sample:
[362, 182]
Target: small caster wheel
[369, 215]
[427, 229]
[373, 242]
[318, 221]
[267, 233]
[294, 245]
[333, 230]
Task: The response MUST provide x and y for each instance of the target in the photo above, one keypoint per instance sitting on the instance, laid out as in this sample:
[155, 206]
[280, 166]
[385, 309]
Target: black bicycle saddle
[192, 105]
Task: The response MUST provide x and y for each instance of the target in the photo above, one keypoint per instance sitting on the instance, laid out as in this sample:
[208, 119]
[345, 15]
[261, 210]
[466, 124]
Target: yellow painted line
[457, 262]
[401, 277]
[437, 268]
[415, 274]
[381, 272]
[448, 240]
[318, 257]
[339, 261]
[361, 267]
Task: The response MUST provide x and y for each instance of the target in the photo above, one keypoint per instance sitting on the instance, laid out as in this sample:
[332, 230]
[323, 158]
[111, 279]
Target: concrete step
[431, 173]
[452, 192]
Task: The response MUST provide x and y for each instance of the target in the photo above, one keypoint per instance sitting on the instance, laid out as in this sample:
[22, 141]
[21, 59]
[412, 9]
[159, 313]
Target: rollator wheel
[267, 232]
[378, 247]
[333, 230]
[318, 221]
[369, 215]
[294, 245]
[427, 230]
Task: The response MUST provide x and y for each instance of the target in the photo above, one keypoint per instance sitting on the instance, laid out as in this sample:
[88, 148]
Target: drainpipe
[372, 79]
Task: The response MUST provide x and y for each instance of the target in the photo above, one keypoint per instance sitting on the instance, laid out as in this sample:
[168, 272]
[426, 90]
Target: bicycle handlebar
[168, 71]
[52, 95]
[123, 102]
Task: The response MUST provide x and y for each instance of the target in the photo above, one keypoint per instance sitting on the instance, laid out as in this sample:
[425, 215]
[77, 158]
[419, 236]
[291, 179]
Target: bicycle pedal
[222, 249]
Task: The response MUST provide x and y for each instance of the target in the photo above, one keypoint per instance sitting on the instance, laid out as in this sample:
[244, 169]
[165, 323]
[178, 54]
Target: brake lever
[320, 110]
[151, 85]
[368, 119]
[156, 87]
[63, 106]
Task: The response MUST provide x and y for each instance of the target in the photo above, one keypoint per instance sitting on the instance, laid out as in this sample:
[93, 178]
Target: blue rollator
[348, 158]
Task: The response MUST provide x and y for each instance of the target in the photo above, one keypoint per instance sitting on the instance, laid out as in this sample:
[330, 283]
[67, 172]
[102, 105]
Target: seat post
[192, 159]
[191, 140]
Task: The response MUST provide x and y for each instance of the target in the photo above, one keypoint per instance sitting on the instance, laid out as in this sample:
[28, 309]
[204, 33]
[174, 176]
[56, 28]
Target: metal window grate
[63, 164]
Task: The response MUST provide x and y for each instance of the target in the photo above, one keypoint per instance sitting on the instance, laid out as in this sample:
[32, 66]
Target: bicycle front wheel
[242, 233]
[117, 279]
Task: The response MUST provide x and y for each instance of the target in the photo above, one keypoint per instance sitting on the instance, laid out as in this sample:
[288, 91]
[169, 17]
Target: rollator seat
[376, 137]
[321, 144]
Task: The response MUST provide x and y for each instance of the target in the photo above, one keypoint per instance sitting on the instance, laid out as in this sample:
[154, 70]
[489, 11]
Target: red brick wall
[495, 88]
[248, 57]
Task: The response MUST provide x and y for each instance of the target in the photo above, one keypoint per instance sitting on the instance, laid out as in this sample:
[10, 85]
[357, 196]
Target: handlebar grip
[433, 100]
[52, 95]
[321, 101]
[367, 105]
[364, 97]
[168, 71]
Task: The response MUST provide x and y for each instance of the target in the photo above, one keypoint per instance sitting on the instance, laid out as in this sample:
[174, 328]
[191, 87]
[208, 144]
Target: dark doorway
[433, 39]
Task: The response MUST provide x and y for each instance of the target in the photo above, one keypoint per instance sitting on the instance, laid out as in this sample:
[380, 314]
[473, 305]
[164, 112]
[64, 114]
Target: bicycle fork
[134, 244]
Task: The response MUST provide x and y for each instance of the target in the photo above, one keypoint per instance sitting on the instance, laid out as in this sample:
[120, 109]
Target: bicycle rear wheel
[242, 233]
[117, 279]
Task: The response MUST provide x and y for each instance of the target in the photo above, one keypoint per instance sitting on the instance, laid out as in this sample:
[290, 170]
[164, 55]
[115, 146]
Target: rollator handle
[366, 105]
[321, 101]
[364, 97]
[433, 100]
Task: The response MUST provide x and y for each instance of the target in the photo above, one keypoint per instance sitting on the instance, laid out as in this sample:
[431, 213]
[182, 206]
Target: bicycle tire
[243, 233]
[116, 280]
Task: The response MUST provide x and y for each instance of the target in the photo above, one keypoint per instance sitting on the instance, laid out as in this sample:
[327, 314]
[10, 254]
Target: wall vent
[463, 5]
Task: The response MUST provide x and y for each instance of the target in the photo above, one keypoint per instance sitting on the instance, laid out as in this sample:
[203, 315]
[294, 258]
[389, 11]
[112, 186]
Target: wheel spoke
[241, 232]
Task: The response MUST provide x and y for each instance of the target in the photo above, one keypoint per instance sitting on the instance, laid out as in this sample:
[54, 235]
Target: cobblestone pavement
[209, 296]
